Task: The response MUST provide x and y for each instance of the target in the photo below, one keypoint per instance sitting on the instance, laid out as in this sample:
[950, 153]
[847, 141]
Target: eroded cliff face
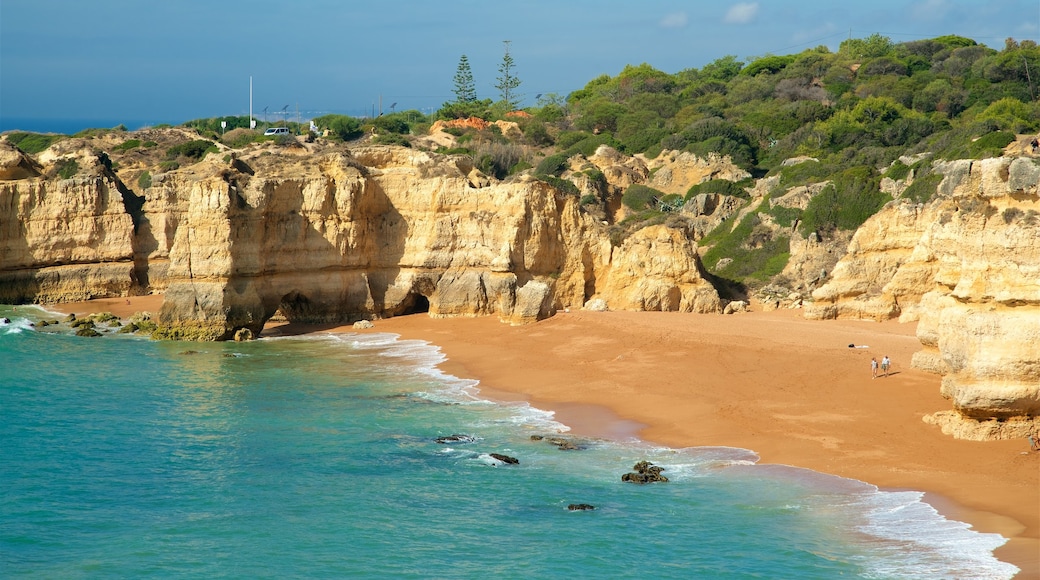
[967, 265]
[385, 231]
[325, 235]
[63, 239]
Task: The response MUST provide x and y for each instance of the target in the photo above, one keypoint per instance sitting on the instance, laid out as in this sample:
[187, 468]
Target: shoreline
[786, 388]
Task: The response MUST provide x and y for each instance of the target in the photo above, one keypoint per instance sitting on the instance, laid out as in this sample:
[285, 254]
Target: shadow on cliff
[143, 242]
[332, 284]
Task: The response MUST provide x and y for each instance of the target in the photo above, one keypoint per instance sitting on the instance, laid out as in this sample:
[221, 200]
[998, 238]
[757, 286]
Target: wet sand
[787, 388]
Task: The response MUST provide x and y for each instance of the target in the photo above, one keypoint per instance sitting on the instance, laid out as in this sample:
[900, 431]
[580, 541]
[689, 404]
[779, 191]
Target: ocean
[318, 456]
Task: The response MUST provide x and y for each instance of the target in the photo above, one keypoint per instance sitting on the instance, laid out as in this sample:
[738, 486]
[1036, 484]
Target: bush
[145, 180]
[638, 197]
[128, 145]
[66, 168]
[991, 145]
[923, 187]
[392, 139]
[169, 165]
[33, 143]
[569, 138]
[845, 203]
[564, 185]
[239, 138]
[761, 259]
[344, 127]
[721, 186]
[552, 165]
[196, 149]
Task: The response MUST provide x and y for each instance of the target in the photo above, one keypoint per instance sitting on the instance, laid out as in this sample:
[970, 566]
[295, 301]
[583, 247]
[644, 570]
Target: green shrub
[898, 170]
[145, 180]
[638, 196]
[923, 187]
[393, 123]
[785, 216]
[239, 138]
[128, 145]
[845, 203]
[196, 149]
[33, 143]
[754, 253]
[66, 168]
[568, 138]
[589, 199]
[344, 127]
[721, 186]
[991, 145]
[552, 165]
[150, 144]
[392, 139]
[519, 167]
[564, 185]
[168, 165]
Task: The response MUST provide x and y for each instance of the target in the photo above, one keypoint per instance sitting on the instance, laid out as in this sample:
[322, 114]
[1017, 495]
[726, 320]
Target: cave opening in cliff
[295, 307]
[417, 304]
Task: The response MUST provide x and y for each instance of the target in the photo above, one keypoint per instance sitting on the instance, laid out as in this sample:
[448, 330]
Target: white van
[276, 131]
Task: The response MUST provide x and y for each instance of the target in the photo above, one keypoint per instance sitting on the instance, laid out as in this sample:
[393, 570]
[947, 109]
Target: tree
[508, 83]
[465, 90]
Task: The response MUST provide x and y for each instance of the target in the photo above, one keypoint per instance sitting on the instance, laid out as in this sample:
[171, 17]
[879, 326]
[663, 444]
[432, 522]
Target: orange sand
[788, 388]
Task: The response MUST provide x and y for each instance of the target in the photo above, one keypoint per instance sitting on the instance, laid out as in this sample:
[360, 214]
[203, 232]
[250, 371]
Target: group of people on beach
[886, 363]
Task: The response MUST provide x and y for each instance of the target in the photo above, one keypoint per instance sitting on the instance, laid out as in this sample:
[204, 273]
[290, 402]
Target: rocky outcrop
[676, 171]
[64, 239]
[884, 271]
[967, 265]
[645, 472]
[656, 269]
[328, 235]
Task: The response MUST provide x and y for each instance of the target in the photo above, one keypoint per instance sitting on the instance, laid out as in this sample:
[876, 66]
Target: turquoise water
[316, 457]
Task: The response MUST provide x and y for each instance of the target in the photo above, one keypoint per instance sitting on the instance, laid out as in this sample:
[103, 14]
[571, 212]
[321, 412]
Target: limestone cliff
[967, 265]
[322, 234]
[63, 238]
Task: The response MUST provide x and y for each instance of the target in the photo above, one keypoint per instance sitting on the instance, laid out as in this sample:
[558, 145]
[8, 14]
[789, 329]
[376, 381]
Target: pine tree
[508, 83]
[465, 90]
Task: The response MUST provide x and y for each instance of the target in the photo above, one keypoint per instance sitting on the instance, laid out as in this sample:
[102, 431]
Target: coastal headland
[790, 389]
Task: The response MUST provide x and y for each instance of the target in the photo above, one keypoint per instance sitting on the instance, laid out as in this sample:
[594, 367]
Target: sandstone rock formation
[967, 265]
[63, 239]
[331, 235]
[676, 171]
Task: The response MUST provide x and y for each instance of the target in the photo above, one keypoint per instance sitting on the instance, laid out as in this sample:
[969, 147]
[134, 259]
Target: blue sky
[175, 60]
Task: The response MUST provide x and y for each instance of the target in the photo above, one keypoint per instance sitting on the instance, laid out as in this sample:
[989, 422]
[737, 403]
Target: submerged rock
[456, 438]
[580, 507]
[505, 458]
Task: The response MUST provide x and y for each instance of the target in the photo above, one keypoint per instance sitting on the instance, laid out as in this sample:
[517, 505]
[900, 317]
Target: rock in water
[505, 458]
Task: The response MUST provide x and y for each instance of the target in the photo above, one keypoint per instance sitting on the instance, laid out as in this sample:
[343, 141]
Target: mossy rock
[194, 332]
[87, 331]
[103, 317]
[114, 323]
[129, 329]
[82, 323]
[145, 326]
[42, 323]
[71, 317]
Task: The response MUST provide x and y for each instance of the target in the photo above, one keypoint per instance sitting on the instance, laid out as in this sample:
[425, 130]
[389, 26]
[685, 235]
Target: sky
[169, 61]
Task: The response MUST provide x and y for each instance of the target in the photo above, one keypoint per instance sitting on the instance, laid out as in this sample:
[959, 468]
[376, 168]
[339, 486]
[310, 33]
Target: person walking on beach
[885, 363]
[873, 367]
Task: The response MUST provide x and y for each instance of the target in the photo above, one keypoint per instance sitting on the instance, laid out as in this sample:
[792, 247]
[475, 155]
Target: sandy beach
[787, 388]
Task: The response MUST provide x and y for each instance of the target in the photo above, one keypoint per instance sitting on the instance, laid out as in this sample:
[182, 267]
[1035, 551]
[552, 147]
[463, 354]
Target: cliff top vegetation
[861, 113]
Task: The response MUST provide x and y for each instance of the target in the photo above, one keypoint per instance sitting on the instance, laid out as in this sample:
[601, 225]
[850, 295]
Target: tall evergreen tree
[508, 82]
[465, 90]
